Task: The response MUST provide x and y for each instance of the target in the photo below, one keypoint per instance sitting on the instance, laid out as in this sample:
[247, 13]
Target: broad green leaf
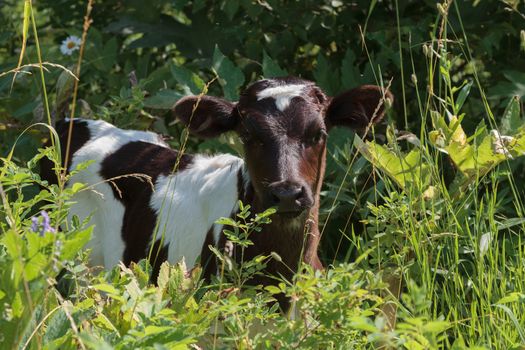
[34, 243]
[476, 155]
[326, 76]
[456, 133]
[405, 170]
[230, 8]
[462, 155]
[106, 288]
[190, 81]
[511, 121]
[462, 96]
[436, 326]
[363, 323]
[77, 186]
[17, 305]
[515, 86]
[273, 289]
[35, 266]
[73, 245]
[164, 99]
[266, 213]
[226, 221]
[14, 244]
[512, 298]
[230, 76]
[350, 76]
[271, 68]
[103, 322]
[156, 329]
[21, 177]
[176, 338]
[134, 290]
[95, 342]
[105, 54]
[414, 345]
[57, 326]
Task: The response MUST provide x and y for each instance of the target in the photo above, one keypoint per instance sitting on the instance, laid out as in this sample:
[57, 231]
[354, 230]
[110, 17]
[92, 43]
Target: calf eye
[316, 138]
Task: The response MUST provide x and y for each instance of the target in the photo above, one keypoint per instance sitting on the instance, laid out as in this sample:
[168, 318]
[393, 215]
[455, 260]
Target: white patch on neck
[190, 201]
[282, 94]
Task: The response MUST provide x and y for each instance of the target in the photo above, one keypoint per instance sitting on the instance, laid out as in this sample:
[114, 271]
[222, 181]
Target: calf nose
[288, 198]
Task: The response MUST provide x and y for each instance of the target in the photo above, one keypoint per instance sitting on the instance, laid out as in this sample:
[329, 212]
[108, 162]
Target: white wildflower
[500, 143]
[409, 137]
[430, 193]
[228, 248]
[484, 243]
[70, 44]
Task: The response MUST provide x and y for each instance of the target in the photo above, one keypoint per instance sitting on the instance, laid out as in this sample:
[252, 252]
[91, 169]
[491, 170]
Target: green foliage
[120, 309]
[230, 76]
[31, 257]
[238, 233]
[473, 159]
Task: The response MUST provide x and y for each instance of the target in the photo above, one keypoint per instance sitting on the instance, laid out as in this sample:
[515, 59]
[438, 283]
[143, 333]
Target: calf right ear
[206, 116]
[358, 108]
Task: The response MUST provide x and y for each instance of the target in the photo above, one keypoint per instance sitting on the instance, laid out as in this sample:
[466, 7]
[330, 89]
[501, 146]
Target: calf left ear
[358, 108]
[206, 116]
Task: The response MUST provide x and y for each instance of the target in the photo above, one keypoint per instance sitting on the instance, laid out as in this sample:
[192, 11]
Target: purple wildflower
[34, 224]
[41, 227]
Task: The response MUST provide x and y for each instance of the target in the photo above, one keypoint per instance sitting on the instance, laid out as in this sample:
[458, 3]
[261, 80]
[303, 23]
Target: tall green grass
[458, 238]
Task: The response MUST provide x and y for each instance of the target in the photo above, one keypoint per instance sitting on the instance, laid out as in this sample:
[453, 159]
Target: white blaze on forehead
[282, 94]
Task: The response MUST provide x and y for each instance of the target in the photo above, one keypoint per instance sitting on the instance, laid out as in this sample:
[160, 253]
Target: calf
[283, 124]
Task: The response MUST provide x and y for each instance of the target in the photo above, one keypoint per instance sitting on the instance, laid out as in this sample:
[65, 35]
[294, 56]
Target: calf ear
[206, 116]
[358, 108]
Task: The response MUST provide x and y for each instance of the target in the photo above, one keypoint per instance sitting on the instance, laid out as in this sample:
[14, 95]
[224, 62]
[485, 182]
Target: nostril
[288, 197]
[300, 193]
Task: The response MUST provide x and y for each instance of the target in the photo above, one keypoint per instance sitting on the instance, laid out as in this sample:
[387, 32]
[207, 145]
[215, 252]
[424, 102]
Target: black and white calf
[283, 124]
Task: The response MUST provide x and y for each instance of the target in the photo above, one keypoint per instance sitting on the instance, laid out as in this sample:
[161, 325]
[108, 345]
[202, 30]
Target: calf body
[283, 124]
[142, 195]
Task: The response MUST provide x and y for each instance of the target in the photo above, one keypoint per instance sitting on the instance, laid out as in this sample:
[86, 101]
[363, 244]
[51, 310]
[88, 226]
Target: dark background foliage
[173, 47]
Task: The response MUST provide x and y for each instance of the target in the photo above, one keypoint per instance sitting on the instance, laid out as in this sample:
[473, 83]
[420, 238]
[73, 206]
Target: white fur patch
[190, 201]
[187, 203]
[107, 212]
[282, 94]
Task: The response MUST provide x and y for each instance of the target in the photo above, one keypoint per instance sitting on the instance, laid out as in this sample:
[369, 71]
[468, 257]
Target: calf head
[283, 123]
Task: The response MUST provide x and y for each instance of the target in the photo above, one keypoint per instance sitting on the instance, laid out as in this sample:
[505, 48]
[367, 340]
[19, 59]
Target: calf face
[283, 124]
